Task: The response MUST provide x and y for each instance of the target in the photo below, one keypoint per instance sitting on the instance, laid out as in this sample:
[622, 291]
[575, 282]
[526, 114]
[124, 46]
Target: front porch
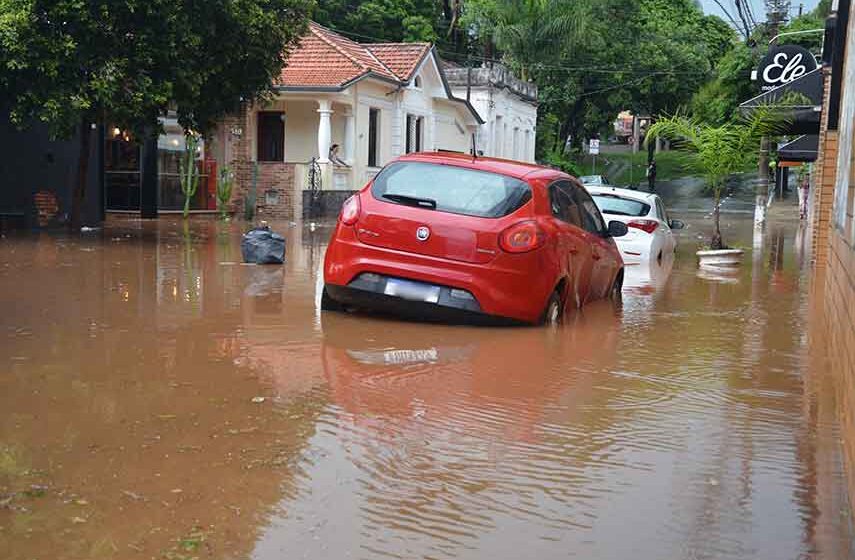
[279, 153]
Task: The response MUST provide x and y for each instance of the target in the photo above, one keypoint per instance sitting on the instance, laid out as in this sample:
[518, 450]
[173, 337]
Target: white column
[523, 145]
[497, 137]
[349, 136]
[324, 130]
[398, 129]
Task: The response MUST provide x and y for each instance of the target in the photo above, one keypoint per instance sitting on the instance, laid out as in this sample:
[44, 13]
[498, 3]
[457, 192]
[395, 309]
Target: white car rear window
[620, 206]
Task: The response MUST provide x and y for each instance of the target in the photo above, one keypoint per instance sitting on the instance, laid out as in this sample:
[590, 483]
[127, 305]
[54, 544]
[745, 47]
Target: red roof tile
[326, 59]
[401, 58]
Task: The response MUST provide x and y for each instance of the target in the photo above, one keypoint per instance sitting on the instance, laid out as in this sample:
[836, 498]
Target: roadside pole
[594, 149]
[761, 189]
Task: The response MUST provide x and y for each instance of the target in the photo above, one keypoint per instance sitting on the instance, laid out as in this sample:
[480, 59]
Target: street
[161, 400]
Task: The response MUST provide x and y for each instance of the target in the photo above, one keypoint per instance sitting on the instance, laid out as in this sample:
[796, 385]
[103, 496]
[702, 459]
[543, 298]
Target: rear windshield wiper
[411, 200]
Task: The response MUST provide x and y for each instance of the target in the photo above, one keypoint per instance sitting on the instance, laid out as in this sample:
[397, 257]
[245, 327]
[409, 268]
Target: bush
[559, 161]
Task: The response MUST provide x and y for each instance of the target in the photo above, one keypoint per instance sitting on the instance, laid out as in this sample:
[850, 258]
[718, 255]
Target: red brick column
[823, 181]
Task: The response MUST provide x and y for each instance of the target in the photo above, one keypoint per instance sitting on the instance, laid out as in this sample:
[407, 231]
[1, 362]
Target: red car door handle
[595, 256]
[573, 250]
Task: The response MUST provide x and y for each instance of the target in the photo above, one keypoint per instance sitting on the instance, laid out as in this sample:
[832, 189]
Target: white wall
[503, 112]
[301, 130]
[844, 198]
[372, 95]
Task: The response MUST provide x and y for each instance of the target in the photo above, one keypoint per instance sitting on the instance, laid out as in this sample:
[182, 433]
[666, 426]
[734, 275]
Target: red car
[461, 238]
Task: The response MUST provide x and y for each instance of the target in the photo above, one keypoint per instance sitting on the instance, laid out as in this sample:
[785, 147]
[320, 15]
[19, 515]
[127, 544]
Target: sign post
[594, 150]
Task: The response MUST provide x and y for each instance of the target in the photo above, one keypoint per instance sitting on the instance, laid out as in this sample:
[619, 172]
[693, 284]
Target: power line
[624, 84]
[591, 69]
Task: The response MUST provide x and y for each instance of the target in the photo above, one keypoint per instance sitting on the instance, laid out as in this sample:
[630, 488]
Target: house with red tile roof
[372, 101]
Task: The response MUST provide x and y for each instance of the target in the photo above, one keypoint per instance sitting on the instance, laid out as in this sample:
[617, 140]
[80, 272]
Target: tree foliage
[809, 22]
[381, 20]
[69, 63]
[127, 62]
[717, 101]
[593, 58]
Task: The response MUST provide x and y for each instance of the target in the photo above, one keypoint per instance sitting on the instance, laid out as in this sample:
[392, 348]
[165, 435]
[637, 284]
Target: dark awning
[803, 148]
[800, 100]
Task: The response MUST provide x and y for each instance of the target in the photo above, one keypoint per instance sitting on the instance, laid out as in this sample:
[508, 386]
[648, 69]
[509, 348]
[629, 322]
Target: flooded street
[160, 400]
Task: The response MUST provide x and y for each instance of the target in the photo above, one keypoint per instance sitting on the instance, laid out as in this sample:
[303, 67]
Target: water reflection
[161, 399]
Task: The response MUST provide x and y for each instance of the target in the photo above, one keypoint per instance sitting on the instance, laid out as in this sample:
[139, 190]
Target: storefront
[127, 184]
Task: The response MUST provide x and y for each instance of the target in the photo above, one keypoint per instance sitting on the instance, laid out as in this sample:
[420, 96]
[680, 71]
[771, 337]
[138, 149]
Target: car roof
[511, 168]
[645, 197]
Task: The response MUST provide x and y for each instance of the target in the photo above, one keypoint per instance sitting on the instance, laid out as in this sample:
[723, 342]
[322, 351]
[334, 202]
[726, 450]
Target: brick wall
[275, 180]
[47, 207]
[835, 271]
[823, 181]
[275, 198]
[839, 299]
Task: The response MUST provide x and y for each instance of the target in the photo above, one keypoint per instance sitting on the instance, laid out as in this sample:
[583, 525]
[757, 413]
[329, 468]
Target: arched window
[418, 82]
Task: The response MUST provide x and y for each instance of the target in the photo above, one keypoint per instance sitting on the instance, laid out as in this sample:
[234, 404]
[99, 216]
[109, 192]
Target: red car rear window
[447, 188]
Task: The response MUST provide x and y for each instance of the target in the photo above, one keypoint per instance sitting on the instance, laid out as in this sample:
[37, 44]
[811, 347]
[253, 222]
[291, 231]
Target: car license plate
[413, 291]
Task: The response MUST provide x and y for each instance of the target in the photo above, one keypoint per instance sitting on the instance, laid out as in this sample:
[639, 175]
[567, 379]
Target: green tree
[812, 40]
[717, 101]
[718, 151]
[381, 20]
[677, 48]
[70, 63]
[592, 58]
[530, 33]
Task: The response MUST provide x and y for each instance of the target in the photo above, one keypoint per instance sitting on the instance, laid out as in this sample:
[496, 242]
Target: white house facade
[507, 105]
[374, 101]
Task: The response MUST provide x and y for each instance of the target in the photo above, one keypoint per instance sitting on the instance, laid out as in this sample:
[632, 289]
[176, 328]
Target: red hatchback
[452, 237]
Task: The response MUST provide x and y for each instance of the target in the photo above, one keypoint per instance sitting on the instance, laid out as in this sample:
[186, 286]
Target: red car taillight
[350, 211]
[521, 238]
[647, 226]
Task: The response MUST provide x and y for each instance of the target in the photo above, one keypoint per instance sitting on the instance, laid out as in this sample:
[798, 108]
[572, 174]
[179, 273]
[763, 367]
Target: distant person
[651, 175]
[334, 157]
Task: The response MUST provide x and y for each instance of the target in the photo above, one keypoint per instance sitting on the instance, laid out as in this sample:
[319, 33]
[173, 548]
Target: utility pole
[777, 12]
[761, 191]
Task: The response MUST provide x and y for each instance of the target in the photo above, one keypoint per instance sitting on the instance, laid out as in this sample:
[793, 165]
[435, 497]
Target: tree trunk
[82, 174]
[716, 242]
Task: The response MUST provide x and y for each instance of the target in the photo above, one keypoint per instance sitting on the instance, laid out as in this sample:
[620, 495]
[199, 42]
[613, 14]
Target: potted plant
[718, 152]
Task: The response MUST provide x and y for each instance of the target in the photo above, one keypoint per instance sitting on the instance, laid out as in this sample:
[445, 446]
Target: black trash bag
[262, 246]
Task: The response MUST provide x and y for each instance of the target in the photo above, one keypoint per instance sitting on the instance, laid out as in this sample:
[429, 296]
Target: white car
[650, 233]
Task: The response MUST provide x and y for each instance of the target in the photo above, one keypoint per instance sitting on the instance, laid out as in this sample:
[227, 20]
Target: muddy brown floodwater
[160, 400]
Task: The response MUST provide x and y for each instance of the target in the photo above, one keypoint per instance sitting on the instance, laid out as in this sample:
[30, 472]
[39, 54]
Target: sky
[710, 7]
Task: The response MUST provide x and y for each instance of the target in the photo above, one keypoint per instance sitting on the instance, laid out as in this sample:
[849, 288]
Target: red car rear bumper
[510, 286]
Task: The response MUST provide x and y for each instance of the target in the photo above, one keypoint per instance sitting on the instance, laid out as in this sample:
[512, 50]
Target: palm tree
[718, 151]
[529, 30]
